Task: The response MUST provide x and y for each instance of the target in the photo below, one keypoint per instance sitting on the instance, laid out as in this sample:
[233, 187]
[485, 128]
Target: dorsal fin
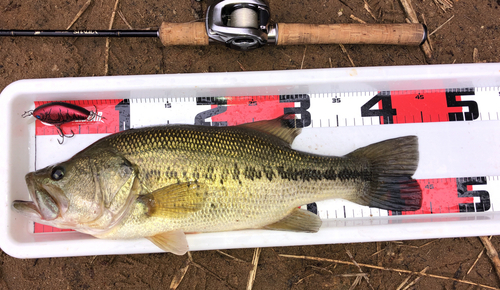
[281, 127]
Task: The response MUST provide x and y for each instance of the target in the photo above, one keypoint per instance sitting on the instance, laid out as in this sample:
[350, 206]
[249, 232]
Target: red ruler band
[452, 195]
[400, 107]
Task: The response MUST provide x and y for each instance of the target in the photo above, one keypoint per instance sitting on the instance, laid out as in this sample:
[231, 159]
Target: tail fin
[392, 163]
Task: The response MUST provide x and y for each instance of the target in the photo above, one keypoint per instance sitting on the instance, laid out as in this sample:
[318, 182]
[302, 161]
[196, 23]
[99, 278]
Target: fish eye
[57, 173]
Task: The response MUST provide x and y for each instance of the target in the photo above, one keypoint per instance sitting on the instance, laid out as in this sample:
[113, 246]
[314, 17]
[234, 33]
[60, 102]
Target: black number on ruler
[305, 103]
[451, 101]
[484, 197]
[200, 118]
[123, 109]
[386, 112]
[211, 101]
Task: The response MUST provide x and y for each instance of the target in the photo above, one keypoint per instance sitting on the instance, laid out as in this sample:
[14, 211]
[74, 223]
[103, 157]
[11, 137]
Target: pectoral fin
[174, 242]
[298, 220]
[175, 201]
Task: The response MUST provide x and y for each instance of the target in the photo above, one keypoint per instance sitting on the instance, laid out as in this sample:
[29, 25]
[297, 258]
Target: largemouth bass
[162, 182]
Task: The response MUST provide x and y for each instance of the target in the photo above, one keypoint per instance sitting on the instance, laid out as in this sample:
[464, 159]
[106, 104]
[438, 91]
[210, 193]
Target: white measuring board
[339, 109]
[459, 156]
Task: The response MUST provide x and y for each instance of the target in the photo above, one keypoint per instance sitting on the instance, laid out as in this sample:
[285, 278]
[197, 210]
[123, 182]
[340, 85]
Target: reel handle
[195, 33]
[394, 34]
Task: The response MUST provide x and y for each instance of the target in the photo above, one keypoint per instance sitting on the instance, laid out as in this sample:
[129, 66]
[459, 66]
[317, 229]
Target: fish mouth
[44, 206]
[28, 209]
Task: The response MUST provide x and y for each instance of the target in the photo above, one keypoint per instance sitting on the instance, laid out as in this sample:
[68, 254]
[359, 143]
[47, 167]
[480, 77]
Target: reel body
[240, 24]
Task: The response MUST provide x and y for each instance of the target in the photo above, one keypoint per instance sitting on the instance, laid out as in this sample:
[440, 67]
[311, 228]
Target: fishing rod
[245, 25]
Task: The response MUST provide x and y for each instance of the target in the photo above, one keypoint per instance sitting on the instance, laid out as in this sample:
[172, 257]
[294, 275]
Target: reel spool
[243, 17]
[241, 25]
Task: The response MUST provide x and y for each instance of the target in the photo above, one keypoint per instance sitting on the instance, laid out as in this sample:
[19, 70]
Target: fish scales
[251, 179]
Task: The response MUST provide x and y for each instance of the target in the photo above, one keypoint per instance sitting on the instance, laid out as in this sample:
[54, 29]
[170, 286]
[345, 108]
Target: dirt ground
[475, 25]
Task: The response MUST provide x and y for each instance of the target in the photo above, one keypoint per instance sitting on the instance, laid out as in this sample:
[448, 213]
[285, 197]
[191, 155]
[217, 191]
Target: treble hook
[62, 135]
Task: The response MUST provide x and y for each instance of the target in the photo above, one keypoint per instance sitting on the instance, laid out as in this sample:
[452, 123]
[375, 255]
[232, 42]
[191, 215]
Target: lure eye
[38, 117]
[57, 173]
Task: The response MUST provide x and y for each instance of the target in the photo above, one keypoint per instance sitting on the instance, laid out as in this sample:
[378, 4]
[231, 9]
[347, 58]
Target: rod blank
[80, 33]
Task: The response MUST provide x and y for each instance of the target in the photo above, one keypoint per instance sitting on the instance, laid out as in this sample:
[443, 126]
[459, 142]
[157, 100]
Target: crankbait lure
[59, 113]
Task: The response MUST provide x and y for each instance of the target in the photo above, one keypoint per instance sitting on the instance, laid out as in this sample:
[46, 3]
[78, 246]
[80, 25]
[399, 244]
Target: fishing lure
[59, 113]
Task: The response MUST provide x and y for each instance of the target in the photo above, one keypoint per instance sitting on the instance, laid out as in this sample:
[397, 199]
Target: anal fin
[174, 242]
[298, 220]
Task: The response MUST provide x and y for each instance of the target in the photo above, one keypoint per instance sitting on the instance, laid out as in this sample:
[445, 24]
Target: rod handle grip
[353, 33]
[193, 33]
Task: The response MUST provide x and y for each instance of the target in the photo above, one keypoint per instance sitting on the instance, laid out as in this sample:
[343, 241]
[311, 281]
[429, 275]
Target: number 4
[386, 112]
